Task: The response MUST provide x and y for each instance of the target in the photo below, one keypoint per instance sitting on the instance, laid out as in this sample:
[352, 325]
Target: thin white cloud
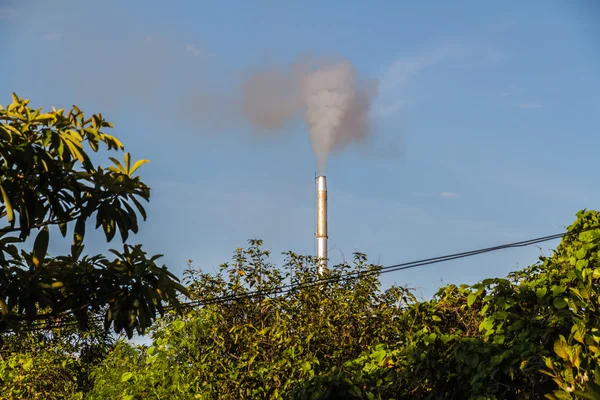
[398, 75]
[527, 105]
[449, 195]
[52, 36]
[192, 49]
[401, 71]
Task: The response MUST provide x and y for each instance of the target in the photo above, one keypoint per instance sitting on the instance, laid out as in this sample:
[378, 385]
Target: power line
[284, 289]
[398, 267]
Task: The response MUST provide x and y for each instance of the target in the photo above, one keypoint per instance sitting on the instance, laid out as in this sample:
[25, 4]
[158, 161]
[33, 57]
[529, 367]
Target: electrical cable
[284, 289]
[392, 268]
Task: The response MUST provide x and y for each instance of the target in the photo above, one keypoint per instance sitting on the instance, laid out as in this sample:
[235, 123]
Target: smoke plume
[330, 97]
[184, 84]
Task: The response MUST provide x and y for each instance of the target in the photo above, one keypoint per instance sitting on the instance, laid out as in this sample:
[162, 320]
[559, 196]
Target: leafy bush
[533, 335]
[260, 346]
[52, 364]
[262, 332]
[48, 179]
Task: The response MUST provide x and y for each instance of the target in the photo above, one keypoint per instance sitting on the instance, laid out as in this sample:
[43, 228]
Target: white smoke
[327, 94]
[331, 98]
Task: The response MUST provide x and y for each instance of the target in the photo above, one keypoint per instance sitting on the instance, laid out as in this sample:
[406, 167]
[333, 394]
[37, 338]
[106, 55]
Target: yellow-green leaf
[541, 292]
[12, 129]
[44, 116]
[179, 324]
[117, 163]
[3, 307]
[126, 376]
[127, 158]
[560, 348]
[471, 299]
[75, 153]
[9, 210]
[112, 141]
[136, 165]
[578, 332]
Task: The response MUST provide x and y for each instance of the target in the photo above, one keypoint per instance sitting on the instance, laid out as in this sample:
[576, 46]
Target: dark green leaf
[559, 303]
[40, 247]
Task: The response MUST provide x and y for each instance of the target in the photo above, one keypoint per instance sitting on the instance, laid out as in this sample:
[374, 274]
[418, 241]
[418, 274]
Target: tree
[532, 335]
[48, 180]
[246, 338]
[52, 363]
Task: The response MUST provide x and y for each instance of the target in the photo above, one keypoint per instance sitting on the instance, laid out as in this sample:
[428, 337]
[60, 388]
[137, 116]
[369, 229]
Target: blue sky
[486, 126]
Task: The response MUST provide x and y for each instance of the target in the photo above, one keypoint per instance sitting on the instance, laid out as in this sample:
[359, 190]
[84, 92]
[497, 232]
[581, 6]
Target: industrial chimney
[321, 223]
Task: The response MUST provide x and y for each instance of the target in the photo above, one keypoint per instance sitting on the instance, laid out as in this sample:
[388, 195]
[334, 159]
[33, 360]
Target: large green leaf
[40, 246]
[561, 348]
[126, 376]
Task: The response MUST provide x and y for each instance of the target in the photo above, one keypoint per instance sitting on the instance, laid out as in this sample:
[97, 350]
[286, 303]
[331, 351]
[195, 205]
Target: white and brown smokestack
[321, 223]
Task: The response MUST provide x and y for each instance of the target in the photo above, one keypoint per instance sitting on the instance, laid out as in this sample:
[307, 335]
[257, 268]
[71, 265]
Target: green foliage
[535, 334]
[47, 179]
[51, 364]
[259, 346]
[532, 335]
